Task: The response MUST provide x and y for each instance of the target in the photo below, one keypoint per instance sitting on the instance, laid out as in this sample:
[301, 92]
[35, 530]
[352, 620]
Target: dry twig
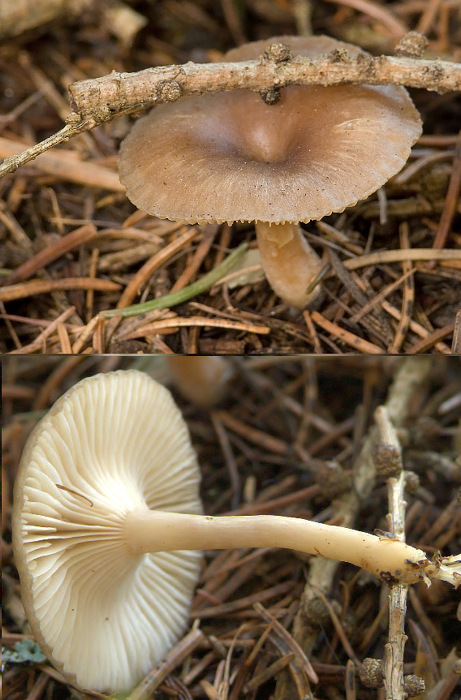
[388, 456]
[407, 381]
[114, 93]
[95, 101]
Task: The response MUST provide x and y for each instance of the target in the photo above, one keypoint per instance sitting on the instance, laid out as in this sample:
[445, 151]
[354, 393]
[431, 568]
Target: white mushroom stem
[289, 262]
[154, 531]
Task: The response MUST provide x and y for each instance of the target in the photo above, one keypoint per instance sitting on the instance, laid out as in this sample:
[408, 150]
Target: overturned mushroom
[231, 157]
[105, 503]
[113, 444]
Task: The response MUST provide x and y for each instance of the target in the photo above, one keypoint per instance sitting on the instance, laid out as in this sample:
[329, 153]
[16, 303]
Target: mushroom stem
[155, 531]
[289, 262]
[201, 379]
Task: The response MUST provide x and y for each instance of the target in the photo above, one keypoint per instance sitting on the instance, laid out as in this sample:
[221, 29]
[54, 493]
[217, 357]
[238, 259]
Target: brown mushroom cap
[229, 156]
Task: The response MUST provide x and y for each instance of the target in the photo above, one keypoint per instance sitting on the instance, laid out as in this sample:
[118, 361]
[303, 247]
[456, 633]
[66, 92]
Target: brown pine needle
[346, 336]
[34, 287]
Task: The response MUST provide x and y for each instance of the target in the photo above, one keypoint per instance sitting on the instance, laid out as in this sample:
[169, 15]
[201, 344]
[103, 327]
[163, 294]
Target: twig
[233, 606]
[23, 15]
[456, 344]
[322, 572]
[269, 672]
[253, 435]
[287, 640]
[18, 17]
[313, 333]
[102, 97]
[337, 625]
[414, 327]
[200, 254]
[229, 457]
[394, 649]
[85, 333]
[348, 281]
[377, 300]
[76, 126]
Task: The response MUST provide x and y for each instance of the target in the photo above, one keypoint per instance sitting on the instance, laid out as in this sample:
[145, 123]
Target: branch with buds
[96, 101]
[119, 91]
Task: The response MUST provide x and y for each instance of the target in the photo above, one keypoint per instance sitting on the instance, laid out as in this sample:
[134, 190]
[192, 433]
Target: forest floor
[71, 243]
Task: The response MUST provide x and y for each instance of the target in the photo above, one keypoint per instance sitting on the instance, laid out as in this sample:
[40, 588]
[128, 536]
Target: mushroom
[105, 505]
[202, 380]
[113, 444]
[231, 157]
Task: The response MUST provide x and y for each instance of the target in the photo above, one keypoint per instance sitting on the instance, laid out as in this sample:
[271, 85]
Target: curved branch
[102, 99]
[109, 94]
